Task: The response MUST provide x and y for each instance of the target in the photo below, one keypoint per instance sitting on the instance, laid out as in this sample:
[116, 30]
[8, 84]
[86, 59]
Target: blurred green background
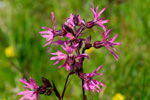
[21, 20]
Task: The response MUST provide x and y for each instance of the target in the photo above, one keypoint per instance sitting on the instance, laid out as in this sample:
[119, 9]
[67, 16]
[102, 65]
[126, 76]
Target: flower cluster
[32, 93]
[92, 84]
[73, 51]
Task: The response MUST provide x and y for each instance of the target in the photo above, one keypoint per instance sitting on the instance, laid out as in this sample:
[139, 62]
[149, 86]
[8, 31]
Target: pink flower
[61, 42]
[69, 49]
[110, 42]
[107, 43]
[49, 34]
[70, 21]
[32, 93]
[90, 83]
[61, 56]
[97, 17]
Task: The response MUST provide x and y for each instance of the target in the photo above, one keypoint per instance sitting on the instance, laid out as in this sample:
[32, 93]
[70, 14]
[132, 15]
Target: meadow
[20, 24]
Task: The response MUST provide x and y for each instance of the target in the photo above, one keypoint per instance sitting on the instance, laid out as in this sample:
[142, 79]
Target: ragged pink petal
[32, 93]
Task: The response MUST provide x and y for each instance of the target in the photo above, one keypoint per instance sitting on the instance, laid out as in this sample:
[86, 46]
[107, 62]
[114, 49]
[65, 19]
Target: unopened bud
[78, 68]
[87, 42]
[98, 44]
[71, 60]
[49, 92]
[68, 29]
[88, 39]
[80, 44]
[46, 82]
[87, 46]
[61, 32]
[90, 24]
[41, 89]
[75, 20]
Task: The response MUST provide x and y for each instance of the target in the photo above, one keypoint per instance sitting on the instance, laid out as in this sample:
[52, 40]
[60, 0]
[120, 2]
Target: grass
[19, 27]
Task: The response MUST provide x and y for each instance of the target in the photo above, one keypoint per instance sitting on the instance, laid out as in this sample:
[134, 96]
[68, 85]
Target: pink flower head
[69, 49]
[49, 34]
[90, 83]
[110, 42]
[97, 17]
[61, 56]
[80, 20]
[70, 21]
[80, 56]
[31, 94]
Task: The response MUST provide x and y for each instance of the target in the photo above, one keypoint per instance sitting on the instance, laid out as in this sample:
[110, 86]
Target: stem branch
[83, 91]
[61, 98]
[14, 66]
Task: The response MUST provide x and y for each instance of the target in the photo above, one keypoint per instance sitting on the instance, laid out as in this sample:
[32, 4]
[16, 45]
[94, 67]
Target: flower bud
[68, 29]
[41, 89]
[61, 32]
[71, 60]
[87, 46]
[75, 20]
[98, 44]
[78, 68]
[49, 92]
[82, 27]
[80, 44]
[88, 39]
[87, 42]
[46, 82]
[90, 24]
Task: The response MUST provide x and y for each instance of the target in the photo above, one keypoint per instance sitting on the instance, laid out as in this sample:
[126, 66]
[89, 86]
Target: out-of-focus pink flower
[49, 34]
[109, 43]
[97, 17]
[30, 94]
[90, 83]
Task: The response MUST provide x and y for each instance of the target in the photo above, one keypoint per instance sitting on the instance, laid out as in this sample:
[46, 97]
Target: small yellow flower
[9, 52]
[118, 96]
[89, 51]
